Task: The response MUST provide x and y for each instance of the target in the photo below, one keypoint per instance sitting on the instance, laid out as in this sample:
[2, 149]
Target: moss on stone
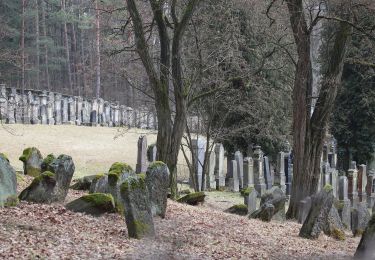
[133, 183]
[339, 205]
[156, 164]
[239, 209]
[49, 159]
[338, 234]
[247, 191]
[118, 168]
[20, 177]
[142, 175]
[98, 199]
[359, 232]
[11, 201]
[3, 155]
[26, 154]
[193, 198]
[328, 188]
[45, 176]
[141, 228]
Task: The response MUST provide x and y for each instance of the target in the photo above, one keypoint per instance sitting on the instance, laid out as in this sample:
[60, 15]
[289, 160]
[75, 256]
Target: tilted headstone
[219, 165]
[199, 150]
[259, 181]
[248, 172]
[267, 172]
[239, 160]
[362, 182]
[251, 201]
[141, 166]
[137, 208]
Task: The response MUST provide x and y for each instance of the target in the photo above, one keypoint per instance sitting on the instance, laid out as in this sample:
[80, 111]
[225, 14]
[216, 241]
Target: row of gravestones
[255, 171]
[139, 197]
[42, 107]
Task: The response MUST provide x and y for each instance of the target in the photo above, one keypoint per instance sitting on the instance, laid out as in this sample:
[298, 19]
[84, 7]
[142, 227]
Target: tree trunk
[67, 49]
[37, 42]
[23, 57]
[309, 133]
[44, 28]
[97, 47]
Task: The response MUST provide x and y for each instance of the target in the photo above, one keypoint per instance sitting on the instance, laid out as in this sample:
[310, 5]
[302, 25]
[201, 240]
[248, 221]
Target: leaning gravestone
[321, 205]
[250, 199]
[360, 218]
[333, 226]
[366, 249]
[8, 182]
[32, 161]
[137, 207]
[304, 208]
[51, 186]
[95, 204]
[157, 181]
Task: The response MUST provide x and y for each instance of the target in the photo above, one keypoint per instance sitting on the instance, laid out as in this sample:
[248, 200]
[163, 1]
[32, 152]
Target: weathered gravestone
[248, 172]
[95, 204]
[333, 226]
[250, 199]
[267, 172]
[43, 107]
[137, 207]
[151, 153]
[157, 181]
[360, 218]
[32, 161]
[142, 155]
[344, 202]
[239, 162]
[8, 182]
[3, 103]
[321, 204]
[259, 182]
[366, 248]
[211, 182]
[233, 182]
[280, 179]
[57, 112]
[304, 209]
[219, 165]
[352, 183]
[51, 186]
[362, 182]
[199, 150]
[272, 206]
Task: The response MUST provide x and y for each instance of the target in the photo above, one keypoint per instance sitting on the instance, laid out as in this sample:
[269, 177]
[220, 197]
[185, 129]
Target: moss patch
[239, 209]
[328, 188]
[141, 228]
[27, 153]
[193, 198]
[3, 155]
[118, 168]
[246, 192]
[133, 183]
[156, 164]
[98, 199]
[338, 234]
[359, 232]
[44, 177]
[11, 201]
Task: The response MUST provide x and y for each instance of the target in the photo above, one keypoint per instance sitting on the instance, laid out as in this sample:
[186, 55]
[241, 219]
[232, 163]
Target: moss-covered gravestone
[137, 207]
[272, 206]
[321, 204]
[360, 218]
[238, 209]
[51, 186]
[95, 204]
[333, 226]
[8, 183]
[193, 198]
[32, 161]
[46, 162]
[157, 180]
[366, 248]
[83, 183]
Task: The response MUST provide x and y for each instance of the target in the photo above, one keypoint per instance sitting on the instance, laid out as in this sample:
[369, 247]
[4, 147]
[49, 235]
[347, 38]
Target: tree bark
[44, 28]
[97, 47]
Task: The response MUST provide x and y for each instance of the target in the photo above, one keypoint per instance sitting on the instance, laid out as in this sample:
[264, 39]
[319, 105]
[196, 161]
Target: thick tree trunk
[23, 57]
[67, 49]
[44, 28]
[37, 41]
[97, 47]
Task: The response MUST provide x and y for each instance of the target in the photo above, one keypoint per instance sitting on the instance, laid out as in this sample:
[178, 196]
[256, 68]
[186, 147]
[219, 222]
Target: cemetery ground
[32, 231]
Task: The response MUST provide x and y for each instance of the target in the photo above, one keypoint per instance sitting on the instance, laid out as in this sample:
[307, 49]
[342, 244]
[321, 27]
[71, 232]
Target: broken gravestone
[272, 206]
[157, 181]
[193, 198]
[95, 204]
[137, 207]
[321, 204]
[8, 183]
[32, 161]
[83, 183]
[51, 186]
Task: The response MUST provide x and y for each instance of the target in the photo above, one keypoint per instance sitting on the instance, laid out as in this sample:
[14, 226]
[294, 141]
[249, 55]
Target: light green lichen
[156, 164]
[247, 191]
[99, 199]
[27, 153]
[44, 177]
[48, 159]
[328, 188]
[338, 234]
[3, 155]
[141, 228]
[133, 183]
[119, 168]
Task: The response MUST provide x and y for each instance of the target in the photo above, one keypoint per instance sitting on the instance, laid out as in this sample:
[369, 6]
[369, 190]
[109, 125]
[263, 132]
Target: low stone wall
[50, 108]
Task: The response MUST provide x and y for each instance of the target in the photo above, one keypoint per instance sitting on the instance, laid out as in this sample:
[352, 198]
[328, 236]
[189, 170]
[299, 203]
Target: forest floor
[34, 231]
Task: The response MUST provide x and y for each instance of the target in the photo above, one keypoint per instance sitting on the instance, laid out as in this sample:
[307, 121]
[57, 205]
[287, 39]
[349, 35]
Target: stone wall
[50, 108]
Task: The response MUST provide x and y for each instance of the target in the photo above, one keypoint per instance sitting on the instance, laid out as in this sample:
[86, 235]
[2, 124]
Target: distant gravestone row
[50, 108]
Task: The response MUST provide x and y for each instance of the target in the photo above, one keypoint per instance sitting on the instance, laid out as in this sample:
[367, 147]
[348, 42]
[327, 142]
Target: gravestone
[366, 249]
[50, 108]
[157, 181]
[344, 202]
[116, 115]
[141, 166]
[370, 189]
[234, 182]
[18, 107]
[72, 110]
[211, 182]
[65, 113]
[281, 170]
[239, 161]
[360, 217]
[219, 165]
[151, 153]
[43, 107]
[107, 113]
[57, 113]
[123, 115]
[26, 108]
[199, 149]
[3, 103]
[8, 182]
[11, 119]
[35, 111]
[259, 182]
[94, 112]
[304, 209]
[32, 161]
[100, 114]
[248, 172]
[267, 172]
[137, 208]
[362, 182]
[288, 169]
[251, 201]
[352, 184]
[334, 175]
[79, 108]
